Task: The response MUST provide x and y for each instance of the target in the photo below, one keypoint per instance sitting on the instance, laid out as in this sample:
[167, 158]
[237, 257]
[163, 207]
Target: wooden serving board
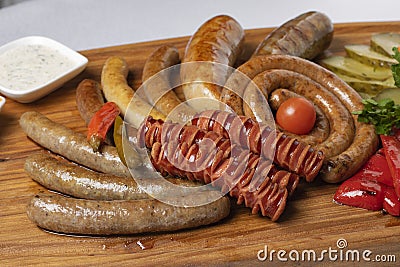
[311, 220]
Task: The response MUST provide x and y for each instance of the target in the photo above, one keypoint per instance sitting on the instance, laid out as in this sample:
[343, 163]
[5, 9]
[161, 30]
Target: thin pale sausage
[116, 89]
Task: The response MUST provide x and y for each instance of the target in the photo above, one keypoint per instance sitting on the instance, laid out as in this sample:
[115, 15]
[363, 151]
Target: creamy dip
[28, 66]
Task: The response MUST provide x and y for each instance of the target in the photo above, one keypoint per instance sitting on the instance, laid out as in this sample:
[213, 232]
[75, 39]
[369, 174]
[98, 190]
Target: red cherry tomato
[296, 115]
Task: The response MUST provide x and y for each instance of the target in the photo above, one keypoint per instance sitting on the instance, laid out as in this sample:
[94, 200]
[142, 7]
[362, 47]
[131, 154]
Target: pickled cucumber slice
[365, 95]
[353, 68]
[371, 87]
[384, 42]
[118, 124]
[364, 54]
[392, 93]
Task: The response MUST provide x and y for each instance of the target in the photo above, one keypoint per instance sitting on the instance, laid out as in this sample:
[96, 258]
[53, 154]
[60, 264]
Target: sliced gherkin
[365, 95]
[392, 93]
[369, 88]
[118, 124]
[353, 68]
[384, 42]
[364, 54]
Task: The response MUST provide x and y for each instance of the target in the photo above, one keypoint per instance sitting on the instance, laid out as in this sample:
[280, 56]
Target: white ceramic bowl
[23, 86]
[2, 102]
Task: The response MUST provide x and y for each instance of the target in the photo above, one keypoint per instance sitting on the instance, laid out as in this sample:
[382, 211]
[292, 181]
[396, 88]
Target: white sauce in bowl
[28, 66]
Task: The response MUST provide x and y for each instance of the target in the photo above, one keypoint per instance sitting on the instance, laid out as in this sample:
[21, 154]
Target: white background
[86, 24]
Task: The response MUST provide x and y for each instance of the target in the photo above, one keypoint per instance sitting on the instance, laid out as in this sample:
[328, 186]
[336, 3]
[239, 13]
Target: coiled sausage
[365, 141]
[321, 128]
[341, 123]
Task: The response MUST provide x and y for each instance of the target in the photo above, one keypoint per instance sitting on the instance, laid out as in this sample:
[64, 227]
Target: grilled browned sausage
[74, 146]
[156, 85]
[73, 180]
[163, 57]
[89, 99]
[94, 217]
[306, 36]
[218, 40]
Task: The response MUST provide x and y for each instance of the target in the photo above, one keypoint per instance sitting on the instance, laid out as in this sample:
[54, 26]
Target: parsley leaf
[383, 114]
[396, 67]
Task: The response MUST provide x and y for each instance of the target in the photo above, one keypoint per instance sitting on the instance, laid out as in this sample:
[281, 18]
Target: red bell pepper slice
[360, 192]
[391, 147]
[376, 169]
[376, 185]
[100, 123]
[391, 202]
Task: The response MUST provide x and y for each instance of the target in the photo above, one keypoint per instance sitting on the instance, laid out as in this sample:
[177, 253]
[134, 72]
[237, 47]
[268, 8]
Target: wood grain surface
[311, 220]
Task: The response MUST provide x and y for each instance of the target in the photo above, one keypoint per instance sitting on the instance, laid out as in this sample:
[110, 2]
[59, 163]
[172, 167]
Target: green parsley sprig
[383, 114]
[396, 67]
